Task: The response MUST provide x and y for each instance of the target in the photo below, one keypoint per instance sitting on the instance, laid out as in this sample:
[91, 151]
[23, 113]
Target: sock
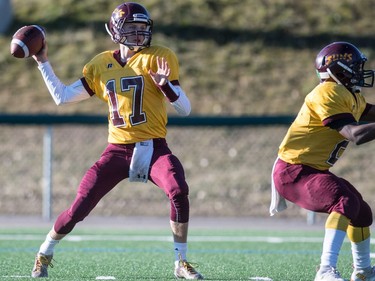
[48, 246]
[361, 254]
[180, 250]
[333, 240]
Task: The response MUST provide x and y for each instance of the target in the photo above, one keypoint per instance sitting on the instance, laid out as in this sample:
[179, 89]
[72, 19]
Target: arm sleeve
[182, 104]
[177, 98]
[367, 110]
[60, 92]
[339, 120]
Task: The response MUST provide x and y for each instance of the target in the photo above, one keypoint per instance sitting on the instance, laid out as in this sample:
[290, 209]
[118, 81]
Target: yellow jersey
[309, 140]
[137, 107]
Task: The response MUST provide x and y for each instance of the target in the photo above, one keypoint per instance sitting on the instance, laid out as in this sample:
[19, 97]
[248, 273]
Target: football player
[134, 82]
[334, 114]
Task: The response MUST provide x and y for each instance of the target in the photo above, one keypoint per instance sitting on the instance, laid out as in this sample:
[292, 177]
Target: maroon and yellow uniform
[310, 140]
[137, 112]
[135, 82]
[330, 118]
[137, 109]
[312, 145]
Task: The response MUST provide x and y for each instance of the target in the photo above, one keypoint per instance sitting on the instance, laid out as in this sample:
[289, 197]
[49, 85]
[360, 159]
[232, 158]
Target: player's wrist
[168, 91]
[41, 60]
[43, 64]
[163, 83]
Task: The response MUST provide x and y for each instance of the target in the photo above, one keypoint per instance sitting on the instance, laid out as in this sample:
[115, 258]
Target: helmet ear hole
[323, 61]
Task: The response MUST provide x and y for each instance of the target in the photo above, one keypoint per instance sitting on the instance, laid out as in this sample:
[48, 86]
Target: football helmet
[130, 12]
[344, 63]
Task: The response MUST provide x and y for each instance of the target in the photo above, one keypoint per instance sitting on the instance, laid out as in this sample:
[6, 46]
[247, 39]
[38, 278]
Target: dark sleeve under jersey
[339, 120]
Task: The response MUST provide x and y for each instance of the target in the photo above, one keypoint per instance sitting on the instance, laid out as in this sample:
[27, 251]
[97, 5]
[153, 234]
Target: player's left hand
[160, 77]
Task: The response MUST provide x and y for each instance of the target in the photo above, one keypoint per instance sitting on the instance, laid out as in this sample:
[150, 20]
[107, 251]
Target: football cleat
[185, 270]
[328, 274]
[41, 265]
[367, 274]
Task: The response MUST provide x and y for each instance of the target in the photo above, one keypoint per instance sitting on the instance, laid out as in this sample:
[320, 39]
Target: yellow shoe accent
[41, 265]
[185, 270]
[363, 274]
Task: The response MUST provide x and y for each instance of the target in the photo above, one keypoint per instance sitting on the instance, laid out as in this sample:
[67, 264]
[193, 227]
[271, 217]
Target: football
[27, 41]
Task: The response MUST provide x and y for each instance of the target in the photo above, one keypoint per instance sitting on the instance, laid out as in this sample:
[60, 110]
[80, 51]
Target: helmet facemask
[353, 77]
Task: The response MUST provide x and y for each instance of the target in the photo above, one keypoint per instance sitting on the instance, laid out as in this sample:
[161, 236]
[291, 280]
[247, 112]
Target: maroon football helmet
[344, 63]
[130, 12]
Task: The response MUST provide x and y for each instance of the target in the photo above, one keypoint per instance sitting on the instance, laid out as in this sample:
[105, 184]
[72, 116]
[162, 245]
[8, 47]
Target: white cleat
[367, 274]
[185, 270]
[328, 274]
[41, 265]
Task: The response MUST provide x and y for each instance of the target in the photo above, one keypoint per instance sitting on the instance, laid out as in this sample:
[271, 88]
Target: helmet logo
[335, 57]
[118, 13]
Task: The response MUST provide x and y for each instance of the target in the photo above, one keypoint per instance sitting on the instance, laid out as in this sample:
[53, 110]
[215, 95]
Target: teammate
[330, 117]
[134, 82]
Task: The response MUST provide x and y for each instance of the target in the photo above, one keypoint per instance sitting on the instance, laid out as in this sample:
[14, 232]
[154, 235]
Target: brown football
[27, 41]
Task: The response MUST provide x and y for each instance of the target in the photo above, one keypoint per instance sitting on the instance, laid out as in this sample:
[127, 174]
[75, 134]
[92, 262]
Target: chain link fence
[227, 168]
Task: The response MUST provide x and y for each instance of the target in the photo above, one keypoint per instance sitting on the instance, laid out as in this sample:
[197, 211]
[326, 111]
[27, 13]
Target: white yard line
[165, 238]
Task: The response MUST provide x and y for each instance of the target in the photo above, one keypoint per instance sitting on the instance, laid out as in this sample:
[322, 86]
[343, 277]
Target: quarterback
[334, 114]
[134, 81]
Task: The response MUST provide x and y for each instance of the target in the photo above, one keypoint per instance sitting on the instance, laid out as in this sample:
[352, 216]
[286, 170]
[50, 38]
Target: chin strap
[132, 48]
[356, 89]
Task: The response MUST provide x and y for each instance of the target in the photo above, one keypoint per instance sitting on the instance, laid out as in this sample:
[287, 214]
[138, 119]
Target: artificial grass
[148, 255]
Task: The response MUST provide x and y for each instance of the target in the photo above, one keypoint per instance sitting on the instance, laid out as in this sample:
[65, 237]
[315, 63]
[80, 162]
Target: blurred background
[238, 58]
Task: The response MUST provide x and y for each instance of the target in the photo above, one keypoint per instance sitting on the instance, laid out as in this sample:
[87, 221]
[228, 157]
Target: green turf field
[91, 254]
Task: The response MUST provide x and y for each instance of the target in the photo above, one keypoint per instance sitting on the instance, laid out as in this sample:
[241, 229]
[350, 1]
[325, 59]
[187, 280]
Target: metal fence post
[6, 15]
[311, 216]
[47, 173]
